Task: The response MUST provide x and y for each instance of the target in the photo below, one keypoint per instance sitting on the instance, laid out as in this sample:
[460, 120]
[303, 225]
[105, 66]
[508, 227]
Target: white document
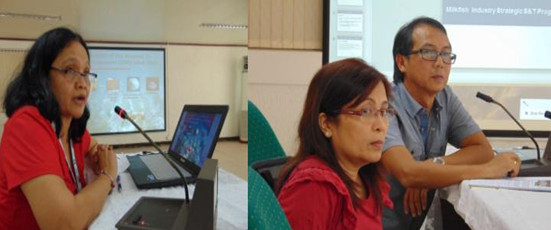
[90, 175]
[542, 184]
[349, 48]
[122, 162]
[350, 2]
[350, 22]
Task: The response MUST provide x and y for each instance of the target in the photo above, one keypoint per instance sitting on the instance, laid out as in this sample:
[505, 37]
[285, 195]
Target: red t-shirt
[30, 148]
[314, 197]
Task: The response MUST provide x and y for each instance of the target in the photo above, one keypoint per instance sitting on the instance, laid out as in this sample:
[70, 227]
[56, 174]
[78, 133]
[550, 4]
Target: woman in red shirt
[333, 182]
[45, 140]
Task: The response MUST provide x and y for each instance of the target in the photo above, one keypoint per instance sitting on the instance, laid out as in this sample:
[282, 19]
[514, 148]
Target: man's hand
[503, 164]
[415, 201]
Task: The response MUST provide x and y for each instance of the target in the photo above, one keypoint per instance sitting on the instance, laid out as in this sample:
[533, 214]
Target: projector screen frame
[138, 48]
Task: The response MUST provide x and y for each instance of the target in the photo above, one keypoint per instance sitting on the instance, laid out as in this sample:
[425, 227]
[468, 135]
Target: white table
[490, 208]
[232, 201]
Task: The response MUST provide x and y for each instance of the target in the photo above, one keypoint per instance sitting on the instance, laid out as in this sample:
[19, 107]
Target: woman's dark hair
[334, 86]
[32, 85]
[403, 42]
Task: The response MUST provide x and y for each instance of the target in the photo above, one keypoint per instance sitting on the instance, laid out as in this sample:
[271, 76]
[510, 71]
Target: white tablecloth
[490, 208]
[232, 201]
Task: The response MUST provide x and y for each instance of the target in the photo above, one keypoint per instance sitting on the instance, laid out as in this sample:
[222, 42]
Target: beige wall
[68, 10]
[131, 20]
[278, 81]
[285, 42]
[285, 24]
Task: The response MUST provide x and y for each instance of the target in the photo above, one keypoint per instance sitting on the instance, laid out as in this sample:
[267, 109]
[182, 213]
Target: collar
[410, 105]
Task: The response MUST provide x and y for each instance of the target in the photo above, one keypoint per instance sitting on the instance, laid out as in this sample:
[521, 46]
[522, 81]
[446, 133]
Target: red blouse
[314, 197]
[29, 149]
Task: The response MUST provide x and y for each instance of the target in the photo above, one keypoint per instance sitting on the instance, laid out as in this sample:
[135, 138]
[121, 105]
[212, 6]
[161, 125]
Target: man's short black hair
[403, 42]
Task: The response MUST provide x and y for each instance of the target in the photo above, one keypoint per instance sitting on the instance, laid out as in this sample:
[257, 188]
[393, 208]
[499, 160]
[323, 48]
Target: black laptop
[193, 141]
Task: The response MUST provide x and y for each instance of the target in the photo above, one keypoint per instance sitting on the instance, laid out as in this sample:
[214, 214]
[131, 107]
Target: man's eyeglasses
[73, 75]
[432, 55]
[370, 113]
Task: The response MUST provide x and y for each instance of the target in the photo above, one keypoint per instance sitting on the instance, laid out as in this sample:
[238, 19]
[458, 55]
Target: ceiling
[176, 21]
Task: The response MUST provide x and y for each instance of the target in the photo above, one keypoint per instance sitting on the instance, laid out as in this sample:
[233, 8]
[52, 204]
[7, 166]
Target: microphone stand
[530, 167]
[491, 100]
[523, 129]
[162, 154]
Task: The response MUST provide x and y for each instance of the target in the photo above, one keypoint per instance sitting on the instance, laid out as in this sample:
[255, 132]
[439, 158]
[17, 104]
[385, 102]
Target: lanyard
[74, 172]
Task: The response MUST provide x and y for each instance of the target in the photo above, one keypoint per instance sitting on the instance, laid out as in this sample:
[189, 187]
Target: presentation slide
[515, 33]
[133, 78]
[501, 48]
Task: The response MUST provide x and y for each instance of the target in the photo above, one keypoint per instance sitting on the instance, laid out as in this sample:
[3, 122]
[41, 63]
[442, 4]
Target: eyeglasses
[432, 55]
[370, 113]
[73, 75]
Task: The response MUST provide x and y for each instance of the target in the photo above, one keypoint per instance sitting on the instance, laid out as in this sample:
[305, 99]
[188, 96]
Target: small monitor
[196, 134]
[547, 152]
[204, 206]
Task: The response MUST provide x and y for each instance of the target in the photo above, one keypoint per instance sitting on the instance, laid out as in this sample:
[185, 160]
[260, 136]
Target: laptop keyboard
[160, 168]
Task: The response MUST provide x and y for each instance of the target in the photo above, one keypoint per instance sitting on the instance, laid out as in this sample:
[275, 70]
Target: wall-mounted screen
[133, 78]
[501, 48]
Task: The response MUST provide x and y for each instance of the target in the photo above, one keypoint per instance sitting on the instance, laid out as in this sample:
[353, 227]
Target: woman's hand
[92, 159]
[107, 160]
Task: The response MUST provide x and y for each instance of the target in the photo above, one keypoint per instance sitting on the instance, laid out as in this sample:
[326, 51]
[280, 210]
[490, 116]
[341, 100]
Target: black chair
[269, 169]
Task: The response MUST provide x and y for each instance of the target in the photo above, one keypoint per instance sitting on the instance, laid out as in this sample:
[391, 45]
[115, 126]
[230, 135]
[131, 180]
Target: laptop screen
[197, 133]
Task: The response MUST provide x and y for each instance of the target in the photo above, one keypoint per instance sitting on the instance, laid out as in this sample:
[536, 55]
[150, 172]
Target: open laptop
[193, 141]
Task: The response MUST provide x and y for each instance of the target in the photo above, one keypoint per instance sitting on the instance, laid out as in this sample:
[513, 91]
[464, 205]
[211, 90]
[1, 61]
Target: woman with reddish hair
[333, 182]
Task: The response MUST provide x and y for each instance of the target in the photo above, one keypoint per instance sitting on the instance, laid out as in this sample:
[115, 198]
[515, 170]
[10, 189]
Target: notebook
[193, 141]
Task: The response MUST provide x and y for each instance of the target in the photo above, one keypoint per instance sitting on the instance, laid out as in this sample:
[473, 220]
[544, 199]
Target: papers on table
[122, 163]
[542, 184]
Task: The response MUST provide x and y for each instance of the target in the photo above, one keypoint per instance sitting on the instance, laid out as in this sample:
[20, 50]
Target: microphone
[486, 98]
[548, 114]
[489, 99]
[122, 113]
